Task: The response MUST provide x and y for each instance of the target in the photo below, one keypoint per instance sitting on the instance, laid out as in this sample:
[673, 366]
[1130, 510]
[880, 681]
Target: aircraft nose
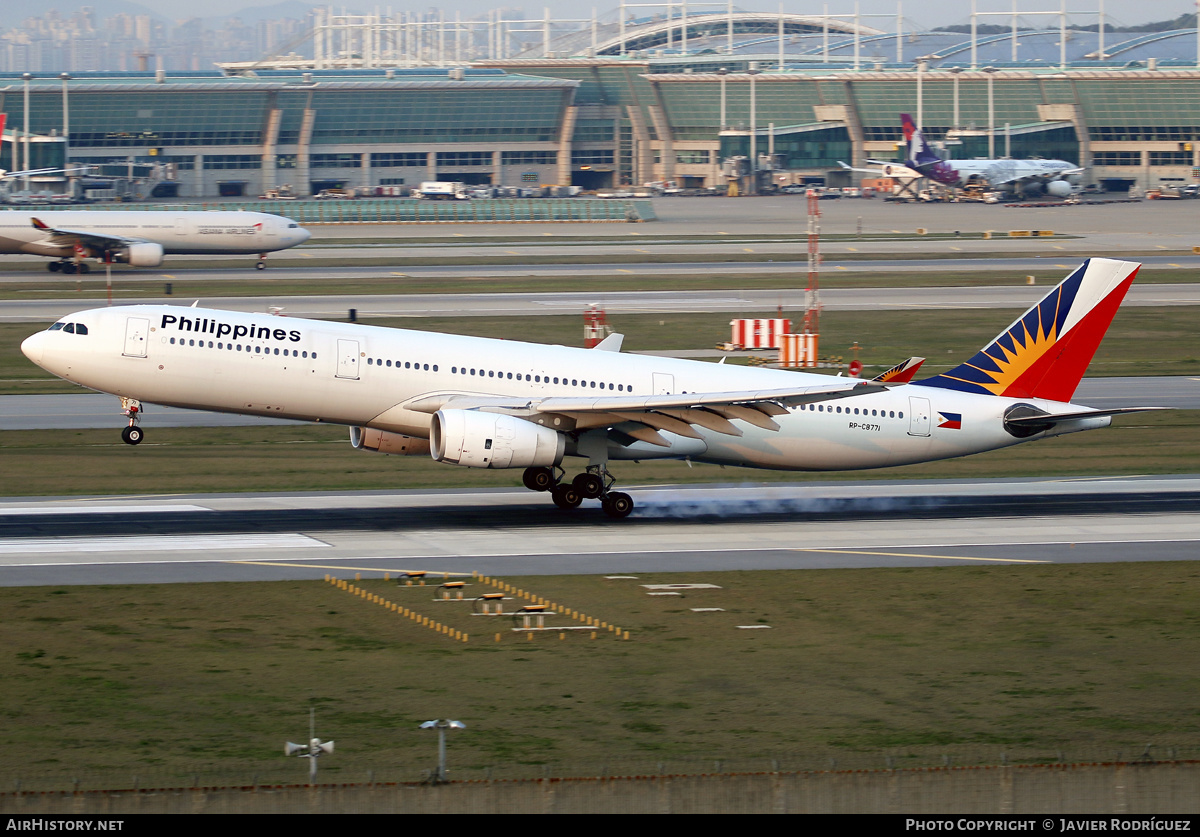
[302, 235]
[33, 346]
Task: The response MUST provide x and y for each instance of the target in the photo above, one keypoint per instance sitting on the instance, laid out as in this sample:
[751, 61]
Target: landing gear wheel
[68, 267]
[538, 479]
[131, 435]
[588, 485]
[54, 267]
[617, 505]
[566, 497]
[84, 267]
[261, 266]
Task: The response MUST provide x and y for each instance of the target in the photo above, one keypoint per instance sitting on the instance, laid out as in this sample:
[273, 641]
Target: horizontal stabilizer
[1057, 418]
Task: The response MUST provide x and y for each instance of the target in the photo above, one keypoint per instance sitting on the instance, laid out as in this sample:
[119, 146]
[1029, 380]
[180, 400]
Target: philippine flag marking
[950, 421]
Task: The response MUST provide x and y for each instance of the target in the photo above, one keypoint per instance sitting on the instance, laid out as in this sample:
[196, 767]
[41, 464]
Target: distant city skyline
[927, 13]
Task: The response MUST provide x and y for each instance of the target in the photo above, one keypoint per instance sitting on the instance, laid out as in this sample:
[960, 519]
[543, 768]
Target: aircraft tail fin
[3, 117]
[1046, 351]
[919, 152]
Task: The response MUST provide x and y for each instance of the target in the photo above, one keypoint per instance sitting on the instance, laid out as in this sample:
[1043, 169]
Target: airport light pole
[26, 77]
[753, 73]
[441, 726]
[922, 66]
[66, 106]
[957, 71]
[722, 72]
[991, 72]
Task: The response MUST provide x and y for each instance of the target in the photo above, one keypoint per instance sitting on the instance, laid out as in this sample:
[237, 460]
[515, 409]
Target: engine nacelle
[1059, 189]
[490, 440]
[143, 254]
[381, 441]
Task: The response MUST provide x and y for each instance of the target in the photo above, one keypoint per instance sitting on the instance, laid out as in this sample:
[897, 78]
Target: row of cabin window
[378, 361]
[491, 373]
[257, 349]
[70, 328]
[821, 408]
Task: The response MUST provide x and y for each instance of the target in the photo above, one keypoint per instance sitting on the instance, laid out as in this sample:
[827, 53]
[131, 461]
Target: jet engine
[490, 440]
[381, 441]
[1059, 189]
[142, 254]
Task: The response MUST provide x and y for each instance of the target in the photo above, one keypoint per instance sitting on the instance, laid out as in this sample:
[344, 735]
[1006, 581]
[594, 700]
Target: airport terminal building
[645, 109]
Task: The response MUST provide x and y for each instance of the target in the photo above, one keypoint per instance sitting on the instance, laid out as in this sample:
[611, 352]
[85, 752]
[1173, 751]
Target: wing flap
[67, 237]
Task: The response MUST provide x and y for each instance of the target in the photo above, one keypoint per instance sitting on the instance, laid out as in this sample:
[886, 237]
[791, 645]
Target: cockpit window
[293, 226]
[70, 328]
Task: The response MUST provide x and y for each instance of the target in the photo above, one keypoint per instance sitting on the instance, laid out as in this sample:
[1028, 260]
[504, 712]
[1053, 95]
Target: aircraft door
[181, 225]
[918, 418]
[664, 384]
[136, 331]
[347, 359]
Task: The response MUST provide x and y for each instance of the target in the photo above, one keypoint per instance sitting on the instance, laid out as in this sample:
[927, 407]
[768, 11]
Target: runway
[67, 541]
[1044, 267]
[552, 303]
[93, 410]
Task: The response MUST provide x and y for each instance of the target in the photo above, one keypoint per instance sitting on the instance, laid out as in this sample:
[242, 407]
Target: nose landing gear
[262, 262]
[131, 434]
[594, 483]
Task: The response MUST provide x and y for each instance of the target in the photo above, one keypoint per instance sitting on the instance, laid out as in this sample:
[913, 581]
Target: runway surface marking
[922, 555]
[156, 543]
[342, 567]
[14, 510]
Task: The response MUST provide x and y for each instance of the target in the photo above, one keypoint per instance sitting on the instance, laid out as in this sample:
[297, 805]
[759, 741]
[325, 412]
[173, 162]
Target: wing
[642, 417]
[63, 237]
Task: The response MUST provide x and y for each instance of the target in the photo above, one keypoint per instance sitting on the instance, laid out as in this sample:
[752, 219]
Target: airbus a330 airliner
[483, 403]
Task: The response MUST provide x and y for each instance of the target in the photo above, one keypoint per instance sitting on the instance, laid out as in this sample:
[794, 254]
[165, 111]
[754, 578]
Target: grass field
[1036, 662]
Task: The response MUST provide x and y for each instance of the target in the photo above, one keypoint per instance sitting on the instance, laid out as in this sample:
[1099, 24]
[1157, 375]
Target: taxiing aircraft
[142, 238]
[999, 175]
[484, 403]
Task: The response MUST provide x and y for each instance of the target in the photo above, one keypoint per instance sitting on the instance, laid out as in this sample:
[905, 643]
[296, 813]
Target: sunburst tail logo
[1046, 351]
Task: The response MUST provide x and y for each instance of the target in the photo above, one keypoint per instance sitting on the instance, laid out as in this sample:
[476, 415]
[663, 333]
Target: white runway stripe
[155, 543]
[94, 509]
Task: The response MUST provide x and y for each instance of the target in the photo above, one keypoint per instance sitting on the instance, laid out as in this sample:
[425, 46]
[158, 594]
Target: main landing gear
[262, 262]
[68, 266]
[594, 483]
[132, 434]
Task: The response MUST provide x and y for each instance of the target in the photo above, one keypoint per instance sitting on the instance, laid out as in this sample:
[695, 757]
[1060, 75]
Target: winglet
[1046, 351]
[612, 343]
[39, 224]
[901, 373]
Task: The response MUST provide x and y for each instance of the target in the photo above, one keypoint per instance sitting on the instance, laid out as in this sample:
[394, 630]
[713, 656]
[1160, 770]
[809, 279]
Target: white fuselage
[183, 233]
[1009, 173]
[368, 376]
